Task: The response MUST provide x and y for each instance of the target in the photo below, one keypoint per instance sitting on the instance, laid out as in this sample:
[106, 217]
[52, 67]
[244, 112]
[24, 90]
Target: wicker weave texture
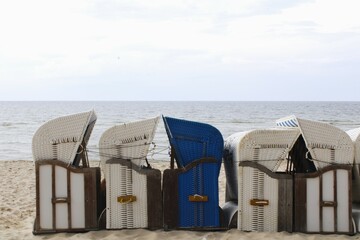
[128, 141]
[193, 140]
[200, 180]
[123, 181]
[61, 138]
[255, 184]
[355, 137]
[269, 147]
[327, 144]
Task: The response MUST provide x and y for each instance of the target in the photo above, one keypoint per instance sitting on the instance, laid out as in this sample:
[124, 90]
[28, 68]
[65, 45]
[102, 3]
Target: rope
[115, 147]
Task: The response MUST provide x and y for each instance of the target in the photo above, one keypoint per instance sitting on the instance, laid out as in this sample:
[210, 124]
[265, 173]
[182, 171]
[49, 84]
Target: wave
[6, 124]
[13, 124]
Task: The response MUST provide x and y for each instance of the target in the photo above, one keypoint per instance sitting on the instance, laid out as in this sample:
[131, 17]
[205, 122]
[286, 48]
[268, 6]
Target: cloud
[172, 44]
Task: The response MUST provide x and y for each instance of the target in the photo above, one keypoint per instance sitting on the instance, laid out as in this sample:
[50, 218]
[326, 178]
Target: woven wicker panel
[193, 140]
[116, 216]
[201, 180]
[60, 138]
[254, 184]
[140, 207]
[267, 146]
[355, 137]
[123, 181]
[128, 141]
[327, 144]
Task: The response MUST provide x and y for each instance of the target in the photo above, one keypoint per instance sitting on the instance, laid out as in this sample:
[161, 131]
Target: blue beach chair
[191, 196]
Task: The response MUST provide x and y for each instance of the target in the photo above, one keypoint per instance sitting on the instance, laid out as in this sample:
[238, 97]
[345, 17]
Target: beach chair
[262, 193]
[325, 143]
[190, 192]
[67, 198]
[322, 201]
[133, 190]
[322, 192]
[64, 138]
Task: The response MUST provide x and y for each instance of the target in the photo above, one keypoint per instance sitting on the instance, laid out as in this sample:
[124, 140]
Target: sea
[20, 120]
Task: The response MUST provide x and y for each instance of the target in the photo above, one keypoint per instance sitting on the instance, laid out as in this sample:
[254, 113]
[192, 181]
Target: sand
[17, 214]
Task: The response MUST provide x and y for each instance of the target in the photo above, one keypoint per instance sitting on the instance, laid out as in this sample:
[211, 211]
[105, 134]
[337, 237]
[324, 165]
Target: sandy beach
[17, 213]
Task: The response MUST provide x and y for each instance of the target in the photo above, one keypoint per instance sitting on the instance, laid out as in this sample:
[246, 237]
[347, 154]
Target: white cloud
[107, 42]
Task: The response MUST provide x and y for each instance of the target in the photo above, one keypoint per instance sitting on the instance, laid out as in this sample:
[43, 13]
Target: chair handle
[328, 204]
[259, 202]
[60, 200]
[126, 199]
[198, 198]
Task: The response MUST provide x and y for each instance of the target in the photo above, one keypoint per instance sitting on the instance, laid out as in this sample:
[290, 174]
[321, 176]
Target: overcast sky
[180, 50]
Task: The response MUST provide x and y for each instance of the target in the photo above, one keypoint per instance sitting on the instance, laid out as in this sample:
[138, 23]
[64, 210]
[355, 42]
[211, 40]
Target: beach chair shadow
[133, 190]
[190, 192]
[67, 197]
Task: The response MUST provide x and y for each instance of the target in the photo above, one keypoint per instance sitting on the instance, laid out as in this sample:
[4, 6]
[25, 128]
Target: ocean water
[20, 120]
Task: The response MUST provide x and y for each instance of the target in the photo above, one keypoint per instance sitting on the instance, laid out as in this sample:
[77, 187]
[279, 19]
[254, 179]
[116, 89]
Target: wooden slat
[300, 204]
[154, 194]
[69, 197]
[335, 201]
[285, 205]
[53, 195]
[170, 198]
[321, 200]
[92, 187]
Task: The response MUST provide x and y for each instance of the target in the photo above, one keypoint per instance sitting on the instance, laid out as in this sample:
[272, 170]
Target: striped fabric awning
[290, 121]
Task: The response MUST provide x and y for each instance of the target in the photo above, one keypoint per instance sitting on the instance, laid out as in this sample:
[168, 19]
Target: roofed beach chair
[325, 143]
[322, 193]
[254, 184]
[190, 192]
[133, 191]
[355, 137]
[66, 193]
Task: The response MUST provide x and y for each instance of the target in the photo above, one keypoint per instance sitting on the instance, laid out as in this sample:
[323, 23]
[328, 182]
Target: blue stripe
[288, 123]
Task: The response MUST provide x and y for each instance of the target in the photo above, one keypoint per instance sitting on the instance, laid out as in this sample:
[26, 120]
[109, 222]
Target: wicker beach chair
[66, 193]
[190, 192]
[133, 191]
[64, 138]
[325, 143]
[322, 193]
[263, 195]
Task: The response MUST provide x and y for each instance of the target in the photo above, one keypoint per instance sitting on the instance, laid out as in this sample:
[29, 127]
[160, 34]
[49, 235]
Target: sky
[161, 50]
